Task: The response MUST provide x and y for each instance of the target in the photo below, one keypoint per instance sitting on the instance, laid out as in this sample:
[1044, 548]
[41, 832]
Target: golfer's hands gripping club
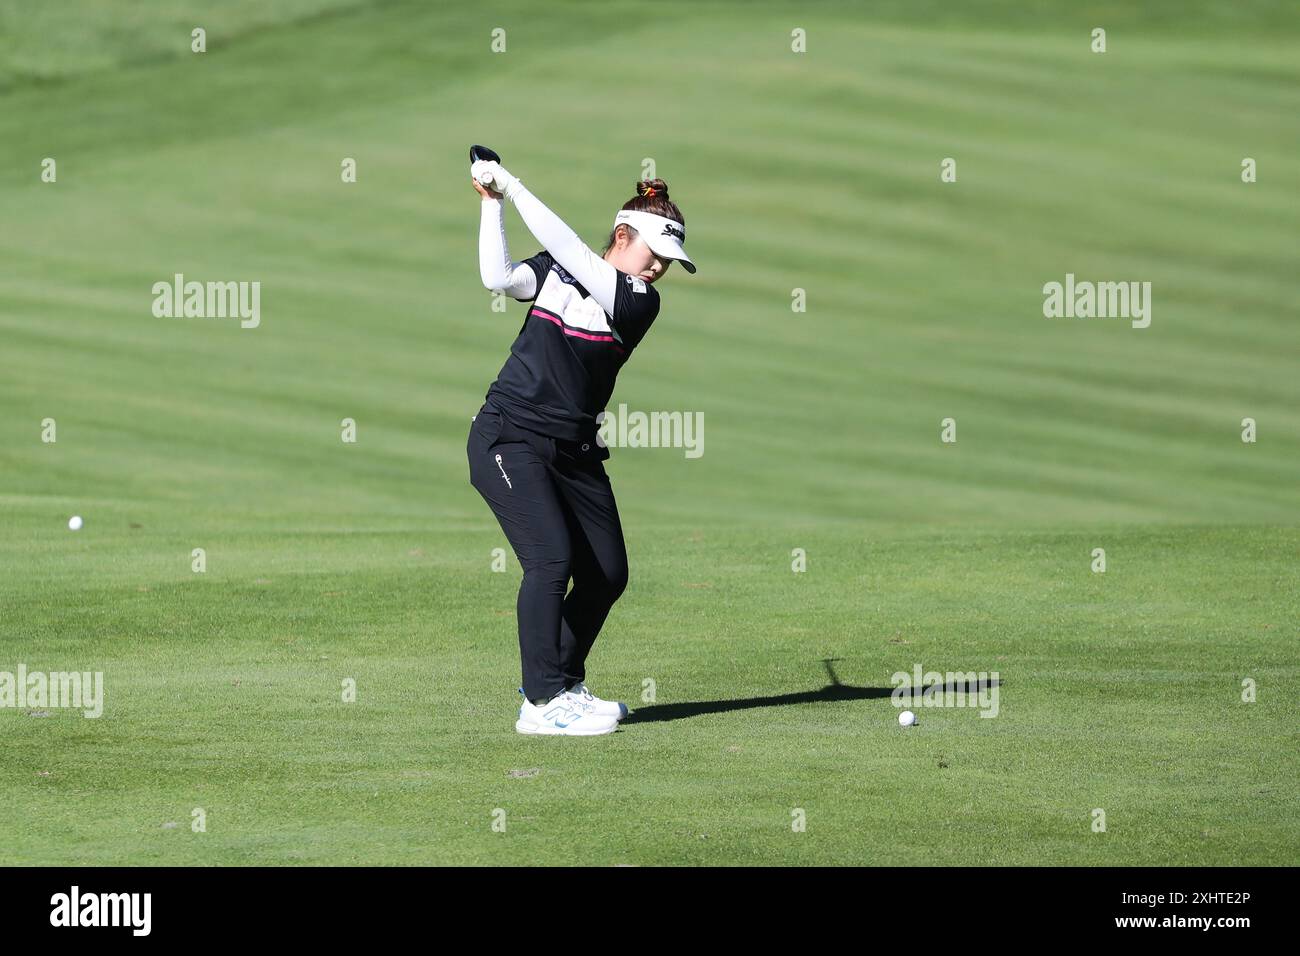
[493, 176]
[490, 178]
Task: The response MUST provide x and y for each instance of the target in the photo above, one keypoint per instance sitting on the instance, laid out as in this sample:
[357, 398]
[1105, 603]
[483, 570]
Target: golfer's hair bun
[652, 187]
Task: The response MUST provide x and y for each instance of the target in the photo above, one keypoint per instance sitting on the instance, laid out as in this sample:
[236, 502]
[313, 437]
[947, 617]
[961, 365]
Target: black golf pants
[555, 505]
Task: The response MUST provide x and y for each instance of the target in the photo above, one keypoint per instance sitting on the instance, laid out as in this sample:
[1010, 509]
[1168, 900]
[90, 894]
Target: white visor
[664, 236]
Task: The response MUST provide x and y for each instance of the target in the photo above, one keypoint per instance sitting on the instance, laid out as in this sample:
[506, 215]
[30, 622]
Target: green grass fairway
[328, 561]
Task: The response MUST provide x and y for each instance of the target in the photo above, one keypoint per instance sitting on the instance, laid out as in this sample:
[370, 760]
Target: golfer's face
[648, 265]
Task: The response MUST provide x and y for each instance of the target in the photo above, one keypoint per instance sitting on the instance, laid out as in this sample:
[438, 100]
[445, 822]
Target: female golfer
[533, 449]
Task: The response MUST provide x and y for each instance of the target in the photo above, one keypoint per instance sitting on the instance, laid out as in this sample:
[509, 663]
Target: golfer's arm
[599, 277]
[494, 265]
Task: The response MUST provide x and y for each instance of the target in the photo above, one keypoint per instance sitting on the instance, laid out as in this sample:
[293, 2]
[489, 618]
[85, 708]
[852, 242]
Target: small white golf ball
[74, 523]
[906, 718]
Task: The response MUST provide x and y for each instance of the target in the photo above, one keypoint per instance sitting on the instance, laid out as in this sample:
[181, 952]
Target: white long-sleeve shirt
[556, 237]
[494, 266]
[585, 319]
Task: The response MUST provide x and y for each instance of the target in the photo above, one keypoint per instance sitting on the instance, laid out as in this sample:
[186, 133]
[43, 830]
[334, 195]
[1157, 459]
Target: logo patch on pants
[503, 473]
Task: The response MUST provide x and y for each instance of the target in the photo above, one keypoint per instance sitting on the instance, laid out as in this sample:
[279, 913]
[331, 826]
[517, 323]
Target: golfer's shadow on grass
[833, 691]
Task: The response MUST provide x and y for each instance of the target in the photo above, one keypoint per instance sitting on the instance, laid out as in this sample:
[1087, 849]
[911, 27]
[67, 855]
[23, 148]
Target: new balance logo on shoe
[556, 713]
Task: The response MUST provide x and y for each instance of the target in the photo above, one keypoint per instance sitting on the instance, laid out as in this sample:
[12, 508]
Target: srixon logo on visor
[671, 230]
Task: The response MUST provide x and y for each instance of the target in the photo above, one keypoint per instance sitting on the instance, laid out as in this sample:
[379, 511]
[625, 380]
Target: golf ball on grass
[906, 719]
[74, 523]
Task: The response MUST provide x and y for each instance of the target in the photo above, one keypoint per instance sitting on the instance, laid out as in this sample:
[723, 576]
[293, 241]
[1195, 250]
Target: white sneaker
[594, 705]
[562, 716]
